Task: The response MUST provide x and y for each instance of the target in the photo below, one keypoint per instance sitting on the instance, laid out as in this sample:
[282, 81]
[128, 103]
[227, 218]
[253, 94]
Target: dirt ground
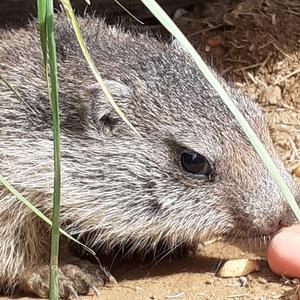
[255, 44]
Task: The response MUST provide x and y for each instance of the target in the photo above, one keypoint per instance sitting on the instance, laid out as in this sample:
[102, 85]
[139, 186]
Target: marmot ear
[102, 113]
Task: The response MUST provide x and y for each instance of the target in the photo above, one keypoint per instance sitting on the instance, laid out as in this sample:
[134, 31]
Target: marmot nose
[285, 220]
[272, 223]
[281, 224]
[269, 228]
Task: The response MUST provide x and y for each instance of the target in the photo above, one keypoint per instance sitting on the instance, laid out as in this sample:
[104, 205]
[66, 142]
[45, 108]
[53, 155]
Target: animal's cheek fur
[201, 209]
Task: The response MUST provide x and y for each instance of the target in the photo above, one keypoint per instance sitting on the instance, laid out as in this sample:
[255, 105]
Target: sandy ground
[193, 277]
[255, 44]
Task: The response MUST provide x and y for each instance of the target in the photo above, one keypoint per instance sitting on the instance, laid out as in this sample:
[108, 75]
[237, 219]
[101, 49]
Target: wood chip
[238, 267]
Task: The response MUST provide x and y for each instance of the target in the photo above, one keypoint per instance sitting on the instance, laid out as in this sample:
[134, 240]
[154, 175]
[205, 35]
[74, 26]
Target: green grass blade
[69, 11]
[257, 144]
[38, 213]
[15, 92]
[42, 13]
[42, 5]
[21, 198]
[56, 139]
[129, 13]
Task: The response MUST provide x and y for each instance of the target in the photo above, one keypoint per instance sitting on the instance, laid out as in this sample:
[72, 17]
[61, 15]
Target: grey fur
[116, 187]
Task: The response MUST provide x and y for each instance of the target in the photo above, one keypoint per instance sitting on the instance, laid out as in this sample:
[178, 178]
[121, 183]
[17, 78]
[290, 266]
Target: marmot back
[191, 175]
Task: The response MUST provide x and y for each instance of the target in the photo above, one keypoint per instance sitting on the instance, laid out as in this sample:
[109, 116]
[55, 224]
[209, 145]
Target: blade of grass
[129, 13]
[69, 12]
[42, 12]
[257, 144]
[50, 30]
[38, 213]
[15, 92]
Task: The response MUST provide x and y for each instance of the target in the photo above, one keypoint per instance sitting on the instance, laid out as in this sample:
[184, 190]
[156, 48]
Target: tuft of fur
[118, 188]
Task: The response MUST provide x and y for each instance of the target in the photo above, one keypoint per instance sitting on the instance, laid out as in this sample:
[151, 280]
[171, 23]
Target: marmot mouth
[249, 235]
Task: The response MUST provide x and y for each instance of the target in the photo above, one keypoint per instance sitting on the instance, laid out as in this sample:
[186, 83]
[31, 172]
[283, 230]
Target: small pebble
[238, 267]
[291, 281]
[209, 282]
[271, 95]
[252, 47]
[207, 48]
[243, 281]
[262, 280]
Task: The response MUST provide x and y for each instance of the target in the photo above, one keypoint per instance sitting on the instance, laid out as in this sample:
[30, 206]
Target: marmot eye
[195, 163]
